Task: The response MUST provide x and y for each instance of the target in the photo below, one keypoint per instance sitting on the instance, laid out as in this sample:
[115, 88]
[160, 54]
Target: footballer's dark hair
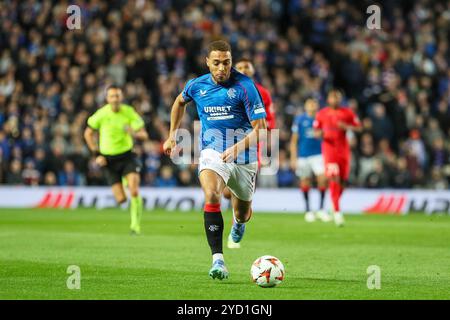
[244, 59]
[219, 45]
[113, 86]
[336, 90]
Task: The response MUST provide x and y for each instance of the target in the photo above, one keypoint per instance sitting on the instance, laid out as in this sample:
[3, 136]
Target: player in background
[227, 102]
[246, 67]
[331, 124]
[306, 158]
[117, 125]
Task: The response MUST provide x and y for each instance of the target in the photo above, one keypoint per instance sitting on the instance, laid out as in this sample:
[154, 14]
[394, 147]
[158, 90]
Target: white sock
[217, 256]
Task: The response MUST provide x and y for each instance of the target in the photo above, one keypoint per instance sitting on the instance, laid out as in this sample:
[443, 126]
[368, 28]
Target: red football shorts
[337, 164]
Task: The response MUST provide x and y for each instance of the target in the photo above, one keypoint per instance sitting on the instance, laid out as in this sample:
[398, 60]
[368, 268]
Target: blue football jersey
[226, 111]
[307, 144]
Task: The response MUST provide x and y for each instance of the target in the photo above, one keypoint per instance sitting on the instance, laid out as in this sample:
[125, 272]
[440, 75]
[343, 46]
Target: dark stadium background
[396, 79]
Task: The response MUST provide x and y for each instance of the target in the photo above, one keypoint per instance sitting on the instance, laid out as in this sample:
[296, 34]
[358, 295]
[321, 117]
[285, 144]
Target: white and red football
[267, 271]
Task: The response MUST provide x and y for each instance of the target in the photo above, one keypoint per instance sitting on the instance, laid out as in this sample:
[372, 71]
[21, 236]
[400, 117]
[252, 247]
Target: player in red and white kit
[331, 124]
[246, 67]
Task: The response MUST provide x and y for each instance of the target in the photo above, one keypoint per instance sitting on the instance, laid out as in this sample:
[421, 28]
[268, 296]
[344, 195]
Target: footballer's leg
[242, 187]
[322, 187]
[131, 171]
[304, 172]
[136, 204]
[344, 170]
[242, 212]
[305, 185]
[119, 192]
[113, 177]
[227, 193]
[321, 179]
[333, 174]
[213, 184]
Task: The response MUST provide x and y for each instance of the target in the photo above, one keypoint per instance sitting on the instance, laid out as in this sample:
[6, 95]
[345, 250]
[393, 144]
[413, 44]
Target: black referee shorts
[120, 165]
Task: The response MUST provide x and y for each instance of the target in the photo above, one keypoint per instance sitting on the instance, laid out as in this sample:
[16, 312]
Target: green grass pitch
[171, 259]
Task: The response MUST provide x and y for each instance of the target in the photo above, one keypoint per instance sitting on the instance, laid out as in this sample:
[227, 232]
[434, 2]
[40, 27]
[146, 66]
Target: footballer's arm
[89, 136]
[140, 134]
[253, 138]
[354, 128]
[318, 133]
[176, 115]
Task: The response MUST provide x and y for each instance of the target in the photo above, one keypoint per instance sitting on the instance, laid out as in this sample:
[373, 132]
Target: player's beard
[222, 79]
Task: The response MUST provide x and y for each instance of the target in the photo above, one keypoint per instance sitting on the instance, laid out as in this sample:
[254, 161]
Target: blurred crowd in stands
[396, 78]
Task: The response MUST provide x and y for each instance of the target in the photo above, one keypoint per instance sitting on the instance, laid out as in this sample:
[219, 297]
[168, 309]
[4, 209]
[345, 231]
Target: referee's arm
[137, 126]
[89, 136]
[140, 134]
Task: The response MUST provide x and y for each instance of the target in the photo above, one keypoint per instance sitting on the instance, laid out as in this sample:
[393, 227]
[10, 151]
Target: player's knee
[134, 192]
[121, 200]
[246, 219]
[321, 181]
[243, 216]
[304, 183]
[212, 196]
[227, 193]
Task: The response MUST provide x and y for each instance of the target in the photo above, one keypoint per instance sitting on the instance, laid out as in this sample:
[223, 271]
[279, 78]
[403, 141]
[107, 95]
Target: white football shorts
[308, 165]
[240, 178]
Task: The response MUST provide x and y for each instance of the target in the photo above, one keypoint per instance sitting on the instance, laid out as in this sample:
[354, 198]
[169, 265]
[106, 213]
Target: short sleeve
[354, 119]
[136, 120]
[187, 91]
[267, 99]
[252, 101]
[94, 121]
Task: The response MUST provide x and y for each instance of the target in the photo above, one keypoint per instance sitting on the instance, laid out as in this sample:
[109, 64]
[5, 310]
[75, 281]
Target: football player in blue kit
[232, 117]
[306, 159]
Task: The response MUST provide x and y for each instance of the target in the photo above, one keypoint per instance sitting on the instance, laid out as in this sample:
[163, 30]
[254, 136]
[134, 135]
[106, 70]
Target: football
[267, 271]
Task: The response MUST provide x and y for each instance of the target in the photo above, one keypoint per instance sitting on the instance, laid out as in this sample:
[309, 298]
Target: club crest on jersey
[231, 93]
